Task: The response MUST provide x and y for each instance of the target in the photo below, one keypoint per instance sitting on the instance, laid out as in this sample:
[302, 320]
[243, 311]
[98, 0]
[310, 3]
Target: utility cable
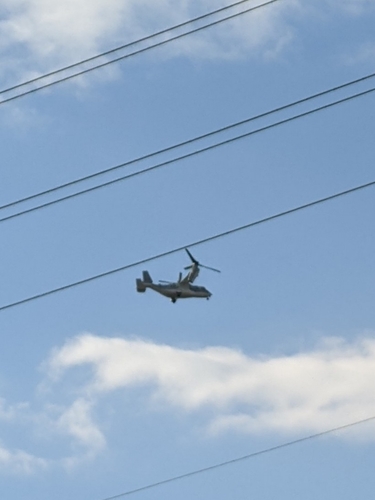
[136, 52]
[174, 160]
[190, 245]
[185, 143]
[241, 459]
[122, 47]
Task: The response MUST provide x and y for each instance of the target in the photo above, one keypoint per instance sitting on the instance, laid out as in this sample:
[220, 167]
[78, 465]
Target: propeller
[194, 261]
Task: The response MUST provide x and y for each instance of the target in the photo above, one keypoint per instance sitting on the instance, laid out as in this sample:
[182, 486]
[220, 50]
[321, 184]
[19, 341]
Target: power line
[174, 160]
[136, 52]
[240, 459]
[196, 243]
[122, 47]
[187, 142]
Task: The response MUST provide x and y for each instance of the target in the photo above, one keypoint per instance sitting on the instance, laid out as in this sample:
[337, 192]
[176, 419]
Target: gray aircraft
[181, 289]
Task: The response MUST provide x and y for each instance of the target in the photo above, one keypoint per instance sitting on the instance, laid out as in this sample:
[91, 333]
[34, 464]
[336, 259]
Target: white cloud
[6, 412]
[227, 389]
[37, 35]
[365, 54]
[20, 462]
[305, 392]
[17, 461]
[50, 27]
[70, 430]
[76, 421]
[356, 7]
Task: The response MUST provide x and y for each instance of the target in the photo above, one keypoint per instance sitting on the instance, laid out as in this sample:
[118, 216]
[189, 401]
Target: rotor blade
[210, 268]
[191, 257]
[168, 282]
[187, 267]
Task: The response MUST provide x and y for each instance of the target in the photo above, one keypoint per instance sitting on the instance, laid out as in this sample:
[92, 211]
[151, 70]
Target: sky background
[103, 390]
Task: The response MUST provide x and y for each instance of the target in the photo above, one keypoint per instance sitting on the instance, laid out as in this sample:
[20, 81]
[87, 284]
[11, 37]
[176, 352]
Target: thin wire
[185, 143]
[122, 47]
[190, 245]
[183, 157]
[145, 49]
[240, 459]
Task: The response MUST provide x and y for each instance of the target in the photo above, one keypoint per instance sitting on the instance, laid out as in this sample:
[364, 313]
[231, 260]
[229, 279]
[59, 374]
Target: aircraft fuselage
[175, 291]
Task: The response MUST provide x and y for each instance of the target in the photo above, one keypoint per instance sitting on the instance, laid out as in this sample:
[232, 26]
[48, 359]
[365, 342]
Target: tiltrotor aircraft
[181, 289]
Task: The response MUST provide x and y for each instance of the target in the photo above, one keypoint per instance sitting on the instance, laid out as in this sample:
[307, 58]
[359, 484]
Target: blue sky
[103, 390]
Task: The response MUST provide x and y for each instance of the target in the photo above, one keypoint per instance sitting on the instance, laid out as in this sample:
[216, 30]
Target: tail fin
[146, 277]
[140, 286]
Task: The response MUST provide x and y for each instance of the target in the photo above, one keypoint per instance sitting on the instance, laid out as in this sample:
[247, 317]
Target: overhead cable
[187, 142]
[136, 52]
[190, 245]
[174, 160]
[237, 460]
[122, 47]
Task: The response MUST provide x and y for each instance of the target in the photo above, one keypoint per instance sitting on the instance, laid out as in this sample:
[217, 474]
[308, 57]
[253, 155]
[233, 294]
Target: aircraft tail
[142, 284]
[146, 277]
